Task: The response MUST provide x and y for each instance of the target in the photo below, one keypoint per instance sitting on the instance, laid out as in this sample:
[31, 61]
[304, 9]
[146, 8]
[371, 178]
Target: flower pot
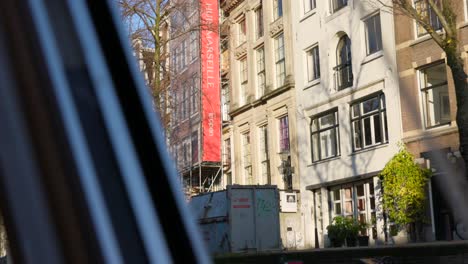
[363, 241]
[350, 242]
[336, 243]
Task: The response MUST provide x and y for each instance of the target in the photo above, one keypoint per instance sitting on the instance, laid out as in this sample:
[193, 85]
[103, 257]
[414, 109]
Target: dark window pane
[367, 131]
[361, 204]
[338, 208]
[370, 105]
[374, 38]
[360, 190]
[315, 52]
[378, 32]
[385, 126]
[280, 8]
[336, 195]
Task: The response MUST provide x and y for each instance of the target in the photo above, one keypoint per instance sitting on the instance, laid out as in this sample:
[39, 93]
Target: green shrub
[344, 228]
[404, 184]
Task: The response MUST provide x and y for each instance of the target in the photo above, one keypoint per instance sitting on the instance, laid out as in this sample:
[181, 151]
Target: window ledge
[308, 14]
[311, 84]
[462, 25]
[430, 132]
[357, 152]
[323, 161]
[424, 38]
[240, 44]
[337, 13]
[259, 42]
[372, 57]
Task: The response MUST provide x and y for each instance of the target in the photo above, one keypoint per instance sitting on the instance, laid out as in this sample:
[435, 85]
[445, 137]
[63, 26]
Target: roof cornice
[229, 5]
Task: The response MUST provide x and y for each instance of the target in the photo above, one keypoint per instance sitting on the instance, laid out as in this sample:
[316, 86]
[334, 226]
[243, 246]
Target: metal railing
[343, 76]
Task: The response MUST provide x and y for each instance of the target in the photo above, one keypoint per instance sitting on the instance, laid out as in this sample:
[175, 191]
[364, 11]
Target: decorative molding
[229, 5]
[241, 51]
[276, 27]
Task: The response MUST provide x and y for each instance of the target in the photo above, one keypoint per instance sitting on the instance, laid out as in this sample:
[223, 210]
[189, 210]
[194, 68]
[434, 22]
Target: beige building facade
[259, 135]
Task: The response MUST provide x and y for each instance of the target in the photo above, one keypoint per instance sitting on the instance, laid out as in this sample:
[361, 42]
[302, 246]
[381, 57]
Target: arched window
[343, 69]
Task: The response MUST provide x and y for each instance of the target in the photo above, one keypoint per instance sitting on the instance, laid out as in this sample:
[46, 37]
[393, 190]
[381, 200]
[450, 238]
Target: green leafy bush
[404, 184]
[344, 228]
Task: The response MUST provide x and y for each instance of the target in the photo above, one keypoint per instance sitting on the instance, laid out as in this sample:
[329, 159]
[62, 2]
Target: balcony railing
[343, 76]
[338, 4]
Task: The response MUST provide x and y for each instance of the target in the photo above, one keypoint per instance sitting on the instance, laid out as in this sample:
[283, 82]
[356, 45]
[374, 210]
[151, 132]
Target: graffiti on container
[241, 203]
[264, 206]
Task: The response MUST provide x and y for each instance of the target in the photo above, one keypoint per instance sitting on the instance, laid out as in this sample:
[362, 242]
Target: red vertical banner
[210, 83]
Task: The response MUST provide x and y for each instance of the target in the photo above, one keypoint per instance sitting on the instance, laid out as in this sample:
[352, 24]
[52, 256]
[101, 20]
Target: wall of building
[372, 74]
[257, 110]
[414, 54]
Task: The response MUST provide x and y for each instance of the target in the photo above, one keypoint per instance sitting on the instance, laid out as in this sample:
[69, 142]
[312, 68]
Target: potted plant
[352, 231]
[337, 231]
[363, 238]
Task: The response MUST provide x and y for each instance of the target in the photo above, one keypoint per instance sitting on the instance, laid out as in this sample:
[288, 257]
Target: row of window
[185, 101]
[187, 152]
[259, 30]
[343, 73]
[368, 117]
[422, 6]
[368, 128]
[185, 53]
[263, 148]
[280, 69]
[354, 200]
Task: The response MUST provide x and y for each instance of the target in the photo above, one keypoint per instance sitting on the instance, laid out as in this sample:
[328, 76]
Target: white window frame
[280, 61]
[242, 33]
[465, 7]
[264, 154]
[259, 23]
[313, 63]
[358, 119]
[227, 158]
[319, 130]
[334, 3]
[423, 87]
[243, 79]
[261, 76]
[416, 26]
[226, 100]
[379, 44]
[247, 158]
[309, 5]
[368, 211]
[278, 9]
[282, 132]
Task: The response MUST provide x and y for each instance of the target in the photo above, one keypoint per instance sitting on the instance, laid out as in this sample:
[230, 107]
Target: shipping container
[242, 218]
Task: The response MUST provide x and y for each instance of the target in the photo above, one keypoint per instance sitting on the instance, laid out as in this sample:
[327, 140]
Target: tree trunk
[459, 77]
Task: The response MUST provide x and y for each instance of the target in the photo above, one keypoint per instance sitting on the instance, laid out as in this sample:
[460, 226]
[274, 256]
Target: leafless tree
[152, 25]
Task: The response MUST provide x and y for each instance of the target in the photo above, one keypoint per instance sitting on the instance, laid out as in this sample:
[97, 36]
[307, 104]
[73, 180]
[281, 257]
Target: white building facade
[348, 111]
